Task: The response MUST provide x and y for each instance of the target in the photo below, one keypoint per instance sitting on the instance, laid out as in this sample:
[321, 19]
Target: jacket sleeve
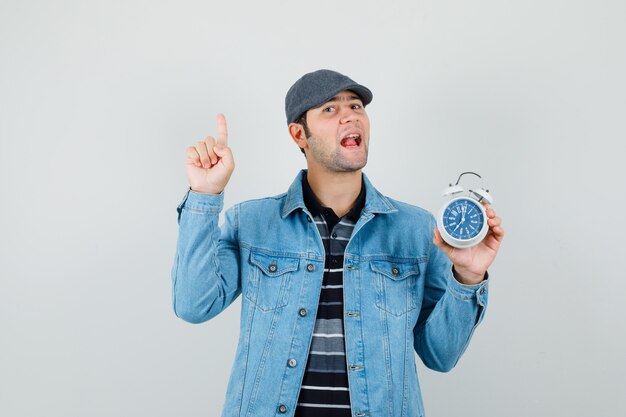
[450, 313]
[205, 276]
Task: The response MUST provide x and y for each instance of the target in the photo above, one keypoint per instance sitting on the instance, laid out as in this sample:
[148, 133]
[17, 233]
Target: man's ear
[296, 130]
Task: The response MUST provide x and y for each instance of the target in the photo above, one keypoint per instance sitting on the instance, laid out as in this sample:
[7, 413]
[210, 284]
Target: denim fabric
[399, 297]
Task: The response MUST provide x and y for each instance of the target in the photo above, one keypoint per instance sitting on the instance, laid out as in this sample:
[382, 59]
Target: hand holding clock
[470, 264]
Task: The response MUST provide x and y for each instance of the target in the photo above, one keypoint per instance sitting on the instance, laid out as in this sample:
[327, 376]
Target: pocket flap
[274, 266]
[395, 270]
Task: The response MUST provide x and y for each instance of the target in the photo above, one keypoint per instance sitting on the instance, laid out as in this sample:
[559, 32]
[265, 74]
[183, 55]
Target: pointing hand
[209, 164]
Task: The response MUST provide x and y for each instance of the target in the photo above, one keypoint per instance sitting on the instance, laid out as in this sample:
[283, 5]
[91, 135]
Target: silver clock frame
[462, 243]
[476, 196]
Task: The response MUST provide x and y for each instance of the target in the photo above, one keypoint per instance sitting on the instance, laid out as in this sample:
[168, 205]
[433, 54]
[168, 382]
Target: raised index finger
[222, 131]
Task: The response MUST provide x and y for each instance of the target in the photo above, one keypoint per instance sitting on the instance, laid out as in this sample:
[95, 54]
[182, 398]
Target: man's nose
[349, 115]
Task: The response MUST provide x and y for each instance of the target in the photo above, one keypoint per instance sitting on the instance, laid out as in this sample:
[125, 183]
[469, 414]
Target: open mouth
[351, 141]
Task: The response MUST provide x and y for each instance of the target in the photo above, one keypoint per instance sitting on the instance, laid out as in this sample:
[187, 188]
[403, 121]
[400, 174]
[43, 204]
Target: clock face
[463, 219]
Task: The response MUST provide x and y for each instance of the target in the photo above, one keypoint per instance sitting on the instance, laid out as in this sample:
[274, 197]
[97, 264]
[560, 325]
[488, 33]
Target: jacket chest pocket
[396, 286]
[271, 277]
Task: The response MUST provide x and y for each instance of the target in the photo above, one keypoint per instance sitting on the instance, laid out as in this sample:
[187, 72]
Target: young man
[340, 284]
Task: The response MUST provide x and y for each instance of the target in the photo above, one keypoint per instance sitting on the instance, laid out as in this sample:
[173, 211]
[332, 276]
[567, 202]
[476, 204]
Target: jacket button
[282, 408]
[302, 312]
[292, 363]
[334, 235]
[395, 271]
[273, 268]
[310, 267]
[308, 219]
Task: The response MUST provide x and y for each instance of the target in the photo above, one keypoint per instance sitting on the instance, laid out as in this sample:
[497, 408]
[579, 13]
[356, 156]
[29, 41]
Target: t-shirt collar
[315, 208]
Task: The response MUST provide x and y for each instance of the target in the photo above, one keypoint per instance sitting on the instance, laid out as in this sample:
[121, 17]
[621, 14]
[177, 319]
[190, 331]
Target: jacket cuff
[478, 292]
[201, 203]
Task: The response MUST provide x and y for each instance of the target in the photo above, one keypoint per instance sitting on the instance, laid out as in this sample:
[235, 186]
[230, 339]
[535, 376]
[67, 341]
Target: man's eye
[356, 106]
[329, 109]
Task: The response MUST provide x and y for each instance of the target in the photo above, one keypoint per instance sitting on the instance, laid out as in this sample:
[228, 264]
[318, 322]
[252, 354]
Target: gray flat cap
[316, 88]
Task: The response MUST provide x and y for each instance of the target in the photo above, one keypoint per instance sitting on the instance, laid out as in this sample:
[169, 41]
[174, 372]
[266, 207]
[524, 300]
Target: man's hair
[302, 121]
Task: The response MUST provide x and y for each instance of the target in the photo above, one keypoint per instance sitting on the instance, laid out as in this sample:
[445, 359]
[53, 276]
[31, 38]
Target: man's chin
[351, 167]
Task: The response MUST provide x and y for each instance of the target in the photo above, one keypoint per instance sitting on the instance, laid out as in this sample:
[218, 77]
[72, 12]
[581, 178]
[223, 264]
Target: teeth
[354, 136]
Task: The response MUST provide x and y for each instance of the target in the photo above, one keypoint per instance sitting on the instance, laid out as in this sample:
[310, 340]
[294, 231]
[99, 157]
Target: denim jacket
[399, 297]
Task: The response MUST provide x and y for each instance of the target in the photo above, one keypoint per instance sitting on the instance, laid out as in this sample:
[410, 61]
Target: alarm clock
[462, 221]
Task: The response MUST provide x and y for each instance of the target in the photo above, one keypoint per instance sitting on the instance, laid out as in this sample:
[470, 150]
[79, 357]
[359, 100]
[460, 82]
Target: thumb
[436, 237]
[441, 244]
[225, 154]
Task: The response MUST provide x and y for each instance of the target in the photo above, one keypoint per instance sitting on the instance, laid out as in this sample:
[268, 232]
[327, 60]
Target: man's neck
[336, 190]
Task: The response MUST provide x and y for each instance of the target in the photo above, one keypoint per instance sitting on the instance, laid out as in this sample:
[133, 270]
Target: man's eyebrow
[350, 98]
[335, 99]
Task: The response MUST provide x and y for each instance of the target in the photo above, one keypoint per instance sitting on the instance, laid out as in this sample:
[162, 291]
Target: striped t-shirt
[325, 390]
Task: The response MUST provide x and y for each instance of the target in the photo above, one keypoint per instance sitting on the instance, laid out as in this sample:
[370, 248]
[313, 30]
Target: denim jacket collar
[374, 201]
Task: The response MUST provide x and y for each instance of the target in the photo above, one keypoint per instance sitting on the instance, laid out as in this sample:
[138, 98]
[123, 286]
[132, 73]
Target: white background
[99, 99]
